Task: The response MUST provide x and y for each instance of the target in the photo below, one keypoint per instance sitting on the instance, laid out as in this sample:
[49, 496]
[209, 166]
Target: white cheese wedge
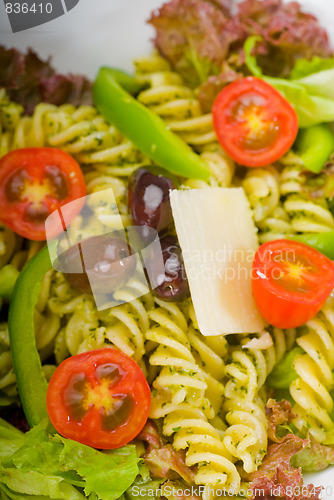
[218, 240]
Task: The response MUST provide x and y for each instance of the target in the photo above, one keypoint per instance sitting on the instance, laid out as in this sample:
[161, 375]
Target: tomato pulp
[254, 123]
[33, 183]
[290, 282]
[99, 398]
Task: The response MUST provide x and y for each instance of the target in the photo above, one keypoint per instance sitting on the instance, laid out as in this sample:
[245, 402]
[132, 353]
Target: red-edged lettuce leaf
[161, 459]
[11, 67]
[166, 462]
[30, 80]
[279, 415]
[192, 35]
[150, 435]
[277, 477]
[285, 26]
[208, 91]
[60, 89]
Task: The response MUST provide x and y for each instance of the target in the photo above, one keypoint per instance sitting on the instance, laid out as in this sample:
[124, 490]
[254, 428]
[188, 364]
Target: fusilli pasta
[188, 394]
[311, 389]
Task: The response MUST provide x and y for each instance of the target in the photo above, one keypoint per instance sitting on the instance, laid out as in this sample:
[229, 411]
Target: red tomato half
[99, 398]
[290, 282]
[33, 183]
[254, 123]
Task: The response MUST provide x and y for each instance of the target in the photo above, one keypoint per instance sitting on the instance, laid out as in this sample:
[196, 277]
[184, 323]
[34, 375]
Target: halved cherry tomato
[33, 183]
[290, 282]
[99, 398]
[254, 123]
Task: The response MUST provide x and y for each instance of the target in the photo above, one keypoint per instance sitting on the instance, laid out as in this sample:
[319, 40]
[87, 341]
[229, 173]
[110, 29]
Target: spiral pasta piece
[188, 394]
[246, 437]
[311, 389]
[221, 167]
[7, 376]
[262, 189]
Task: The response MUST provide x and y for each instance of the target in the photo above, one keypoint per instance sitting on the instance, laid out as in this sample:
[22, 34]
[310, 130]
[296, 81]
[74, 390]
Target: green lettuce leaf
[44, 466]
[34, 483]
[312, 96]
[108, 474]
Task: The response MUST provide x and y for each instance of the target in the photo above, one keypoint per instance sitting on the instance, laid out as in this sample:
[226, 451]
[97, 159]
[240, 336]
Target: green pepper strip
[314, 146]
[31, 381]
[324, 242]
[147, 131]
[8, 277]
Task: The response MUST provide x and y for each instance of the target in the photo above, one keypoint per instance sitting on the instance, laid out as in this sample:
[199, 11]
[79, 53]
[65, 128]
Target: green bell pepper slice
[324, 242]
[147, 131]
[314, 145]
[32, 385]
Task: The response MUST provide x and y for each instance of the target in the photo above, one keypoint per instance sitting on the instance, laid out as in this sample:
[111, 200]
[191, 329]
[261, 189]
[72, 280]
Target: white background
[113, 32]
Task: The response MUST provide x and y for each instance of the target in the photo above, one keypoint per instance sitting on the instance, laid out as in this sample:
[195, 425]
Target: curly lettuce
[29, 80]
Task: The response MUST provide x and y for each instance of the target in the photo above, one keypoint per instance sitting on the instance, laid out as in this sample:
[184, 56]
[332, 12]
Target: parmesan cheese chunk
[218, 240]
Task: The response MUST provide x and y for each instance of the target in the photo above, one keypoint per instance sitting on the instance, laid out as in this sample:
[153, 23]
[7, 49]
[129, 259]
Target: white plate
[113, 32]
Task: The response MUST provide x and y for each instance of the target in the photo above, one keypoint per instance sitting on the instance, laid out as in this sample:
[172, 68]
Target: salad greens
[49, 466]
[305, 67]
[311, 96]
